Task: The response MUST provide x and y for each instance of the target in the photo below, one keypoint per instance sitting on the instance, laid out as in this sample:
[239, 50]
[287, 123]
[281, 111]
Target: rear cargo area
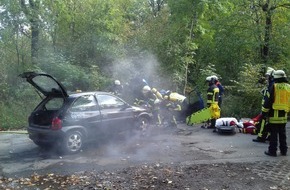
[43, 118]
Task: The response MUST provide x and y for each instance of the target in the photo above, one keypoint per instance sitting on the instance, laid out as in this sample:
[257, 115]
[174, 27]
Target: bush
[243, 99]
[14, 115]
[241, 106]
[20, 102]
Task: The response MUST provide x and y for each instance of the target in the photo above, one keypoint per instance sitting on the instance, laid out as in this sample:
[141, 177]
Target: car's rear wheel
[73, 142]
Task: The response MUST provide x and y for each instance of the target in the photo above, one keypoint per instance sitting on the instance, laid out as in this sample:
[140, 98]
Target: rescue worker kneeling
[180, 102]
[151, 102]
[167, 110]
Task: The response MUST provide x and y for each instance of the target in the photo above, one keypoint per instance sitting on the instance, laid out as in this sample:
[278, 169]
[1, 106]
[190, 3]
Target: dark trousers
[220, 101]
[277, 132]
[212, 123]
[263, 129]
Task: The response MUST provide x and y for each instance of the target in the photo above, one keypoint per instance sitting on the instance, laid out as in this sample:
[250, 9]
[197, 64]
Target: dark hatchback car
[67, 121]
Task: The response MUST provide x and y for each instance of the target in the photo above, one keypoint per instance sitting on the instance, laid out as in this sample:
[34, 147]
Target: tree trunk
[31, 11]
[267, 34]
[34, 42]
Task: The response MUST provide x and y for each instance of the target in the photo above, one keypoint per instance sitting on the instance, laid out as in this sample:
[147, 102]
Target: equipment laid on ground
[227, 125]
[195, 102]
[212, 112]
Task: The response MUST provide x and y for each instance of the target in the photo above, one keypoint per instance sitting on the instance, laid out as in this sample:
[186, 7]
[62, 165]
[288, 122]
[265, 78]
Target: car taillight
[56, 124]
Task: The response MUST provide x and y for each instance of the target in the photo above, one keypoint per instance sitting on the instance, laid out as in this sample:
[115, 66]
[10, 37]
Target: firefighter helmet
[269, 71]
[117, 82]
[146, 89]
[208, 79]
[214, 77]
[157, 101]
[279, 74]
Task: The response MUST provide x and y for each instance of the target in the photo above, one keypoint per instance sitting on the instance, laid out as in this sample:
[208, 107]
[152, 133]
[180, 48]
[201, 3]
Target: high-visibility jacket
[278, 104]
[282, 97]
[176, 97]
[212, 94]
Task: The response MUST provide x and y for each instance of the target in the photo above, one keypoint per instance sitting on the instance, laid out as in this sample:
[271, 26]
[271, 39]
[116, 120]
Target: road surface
[187, 145]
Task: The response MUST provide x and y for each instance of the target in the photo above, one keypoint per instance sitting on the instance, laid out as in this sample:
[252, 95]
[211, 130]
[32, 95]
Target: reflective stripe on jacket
[275, 107]
[212, 94]
[278, 116]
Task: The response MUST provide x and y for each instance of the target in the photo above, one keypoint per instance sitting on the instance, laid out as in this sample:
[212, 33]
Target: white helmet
[157, 101]
[208, 79]
[279, 74]
[214, 77]
[146, 89]
[117, 82]
[269, 71]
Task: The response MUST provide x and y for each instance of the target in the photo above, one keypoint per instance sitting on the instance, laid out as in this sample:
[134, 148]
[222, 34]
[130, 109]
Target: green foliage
[72, 76]
[12, 117]
[18, 106]
[241, 106]
[243, 98]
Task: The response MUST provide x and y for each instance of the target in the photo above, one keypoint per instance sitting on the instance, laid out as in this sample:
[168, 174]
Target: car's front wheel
[73, 142]
[143, 123]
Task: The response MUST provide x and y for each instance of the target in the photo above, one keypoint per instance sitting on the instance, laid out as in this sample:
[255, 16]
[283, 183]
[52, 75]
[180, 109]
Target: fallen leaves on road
[147, 176]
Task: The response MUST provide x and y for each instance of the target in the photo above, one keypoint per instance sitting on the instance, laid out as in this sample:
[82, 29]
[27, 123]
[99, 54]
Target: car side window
[85, 103]
[54, 104]
[109, 102]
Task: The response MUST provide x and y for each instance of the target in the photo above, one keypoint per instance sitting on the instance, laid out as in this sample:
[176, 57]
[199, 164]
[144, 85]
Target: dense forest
[173, 44]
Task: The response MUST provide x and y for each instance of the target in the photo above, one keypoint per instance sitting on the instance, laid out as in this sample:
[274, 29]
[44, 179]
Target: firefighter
[263, 132]
[212, 98]
[152, 102]
[168, 109]
[116, 88]
[275, 109]
[221, 89]
[180, 103]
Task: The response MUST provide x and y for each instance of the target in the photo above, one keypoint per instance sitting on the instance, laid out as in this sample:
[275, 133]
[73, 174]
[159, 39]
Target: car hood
[45, 84]
[139, 109]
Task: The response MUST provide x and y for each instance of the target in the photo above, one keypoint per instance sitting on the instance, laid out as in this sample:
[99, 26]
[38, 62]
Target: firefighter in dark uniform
[262, 126]
[116, 88]
[275, 109]
[151, 101]
[221, 89]
[212, 97]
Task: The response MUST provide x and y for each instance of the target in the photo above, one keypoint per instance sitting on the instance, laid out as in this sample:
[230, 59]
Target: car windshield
[46, 84]
[107, 102]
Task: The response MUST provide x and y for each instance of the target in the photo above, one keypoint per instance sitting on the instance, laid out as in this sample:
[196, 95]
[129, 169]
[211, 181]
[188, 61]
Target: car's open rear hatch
[45, 84]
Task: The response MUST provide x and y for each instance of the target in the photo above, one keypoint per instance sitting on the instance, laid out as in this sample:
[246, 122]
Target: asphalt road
[187, 145]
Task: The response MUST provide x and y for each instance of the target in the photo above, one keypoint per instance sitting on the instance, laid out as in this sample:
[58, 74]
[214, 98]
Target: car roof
[78, 94]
